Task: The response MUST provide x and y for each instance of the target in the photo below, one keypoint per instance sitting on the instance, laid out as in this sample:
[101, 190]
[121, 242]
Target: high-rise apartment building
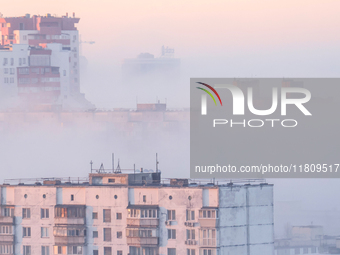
[136, 214]
[59, 37]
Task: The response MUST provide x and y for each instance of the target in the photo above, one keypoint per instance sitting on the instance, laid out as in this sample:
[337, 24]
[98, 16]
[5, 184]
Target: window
[5, 61]
[171, 215]
[171, 251]
[60, 249]
[208, 214]
[297, 250]
[190, 215]
[45, 250]
[119, 252]
[191, 252]
[107, 234]
[44, 232]
[20, 61]
[11, 80]
[64, 72]
[144, 213]
[6, 249]
[106, 215]
[44, 213]
[112, 180]
[12, 61]
[305, 250]
[95, 252]
[5, 229]
[72, 197]
[107, 251]
[71, 212]
[171, 233]
[135, 232]
[24, 70]
[208, 252]
[118, 216]
[95, 234]
[24, 59]
[26, 232]
[6, 80]
[144, 198]
[26, 250]
[5, 70]
[313, 250]
[74, 250]
[119, 234]
[8, 212]
[26, 213]
[208, 237]
[11, 70]
[94, 215]
[190, 234]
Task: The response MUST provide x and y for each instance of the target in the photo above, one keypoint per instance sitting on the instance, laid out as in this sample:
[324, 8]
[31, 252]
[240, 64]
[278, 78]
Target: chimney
[141, 169]
[74, 15]
[66, 14]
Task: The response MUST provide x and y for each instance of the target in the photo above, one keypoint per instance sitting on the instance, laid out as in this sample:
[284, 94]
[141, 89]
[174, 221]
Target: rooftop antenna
[157, 163]
[113, 162]
[91, 163]
[101, 168]
[118, 170]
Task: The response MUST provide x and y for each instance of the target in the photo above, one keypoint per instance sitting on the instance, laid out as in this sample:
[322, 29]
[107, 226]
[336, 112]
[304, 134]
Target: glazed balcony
[72, 240]
[142, 222]
[142, 241]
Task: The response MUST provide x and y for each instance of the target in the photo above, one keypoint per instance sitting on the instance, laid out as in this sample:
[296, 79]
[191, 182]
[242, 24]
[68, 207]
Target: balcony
[65, 240]
[6, 239]
[142, 222]
[69, 221]
[208, 222]
[207, 242]
[142, 241]
[6, 220]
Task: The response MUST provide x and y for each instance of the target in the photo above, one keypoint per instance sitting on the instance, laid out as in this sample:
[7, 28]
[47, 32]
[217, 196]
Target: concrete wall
[246, 220]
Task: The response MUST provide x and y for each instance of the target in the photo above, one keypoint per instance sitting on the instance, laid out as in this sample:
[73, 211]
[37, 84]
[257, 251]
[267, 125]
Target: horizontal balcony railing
[69, 240]
[207, 242]
[6, 238]
[143, 222]
[69, 221]
[143, 241]
[7, 220]
[208, 222]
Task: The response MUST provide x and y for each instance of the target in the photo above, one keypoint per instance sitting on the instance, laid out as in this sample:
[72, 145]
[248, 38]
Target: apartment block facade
[60, 37]
[136, 214]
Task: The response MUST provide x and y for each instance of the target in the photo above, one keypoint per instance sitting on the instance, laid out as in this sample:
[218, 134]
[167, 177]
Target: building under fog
[146, 65]
[39, 63]
[137, 213]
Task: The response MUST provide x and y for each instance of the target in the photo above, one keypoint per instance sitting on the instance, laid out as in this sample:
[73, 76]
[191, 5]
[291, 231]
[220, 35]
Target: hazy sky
[219, 38]
[215, 38]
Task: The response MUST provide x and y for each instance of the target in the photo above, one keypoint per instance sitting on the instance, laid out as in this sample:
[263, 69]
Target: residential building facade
[61, 37]
[136, 214]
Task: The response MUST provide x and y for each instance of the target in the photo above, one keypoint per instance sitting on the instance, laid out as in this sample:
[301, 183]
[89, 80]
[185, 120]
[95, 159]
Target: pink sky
[202, 26]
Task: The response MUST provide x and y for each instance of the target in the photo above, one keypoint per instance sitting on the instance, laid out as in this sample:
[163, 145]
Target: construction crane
[81, 42]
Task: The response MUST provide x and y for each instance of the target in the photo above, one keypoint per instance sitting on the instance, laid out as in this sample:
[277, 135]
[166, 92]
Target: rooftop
[129, 177]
